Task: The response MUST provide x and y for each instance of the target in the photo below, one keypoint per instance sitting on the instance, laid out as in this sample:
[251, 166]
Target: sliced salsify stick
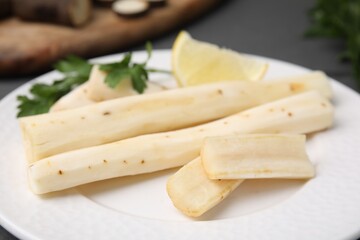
[256, 156]
[81, 96]
[74, 99]
[302, 113]
[193, 193]
[50, 134]
[95, 90]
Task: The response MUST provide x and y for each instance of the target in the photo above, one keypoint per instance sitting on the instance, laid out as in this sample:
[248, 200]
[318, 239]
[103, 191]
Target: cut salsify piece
[256, 156]
[193, 193]
[226, 161]
[154, 152]
[182, 189]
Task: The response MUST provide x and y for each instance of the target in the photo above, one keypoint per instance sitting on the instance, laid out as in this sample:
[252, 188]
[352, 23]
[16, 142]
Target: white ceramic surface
[326, 207]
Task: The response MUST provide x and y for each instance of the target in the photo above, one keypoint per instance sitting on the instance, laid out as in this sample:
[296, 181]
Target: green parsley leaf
[36, 106]
[115, 76]
[139, 76]
[153, 70]
[74, 65]
[125, 69]
[44, 95]
[124, 63]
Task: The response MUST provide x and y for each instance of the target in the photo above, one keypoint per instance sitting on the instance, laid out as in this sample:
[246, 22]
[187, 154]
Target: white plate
[326, 207]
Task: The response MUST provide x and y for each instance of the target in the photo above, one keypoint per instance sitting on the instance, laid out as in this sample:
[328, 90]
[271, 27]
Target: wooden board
[27, 48]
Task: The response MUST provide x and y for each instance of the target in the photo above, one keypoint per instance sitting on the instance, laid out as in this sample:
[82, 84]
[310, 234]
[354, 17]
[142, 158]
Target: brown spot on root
[296, 87]
[219, 180]
[323, 105]
[106, 113]
[84, 90]
[222, 197]
[89, 167]
[142, 161]
[201, 130]
[105, 161]
[263, 171]
[220, 92]
[82, 117]
[60, 172]
[290, 114]
[125, 162]
[225, 123]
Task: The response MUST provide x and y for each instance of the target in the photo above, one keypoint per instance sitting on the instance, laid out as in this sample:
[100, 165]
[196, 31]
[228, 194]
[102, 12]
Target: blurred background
[274, 29]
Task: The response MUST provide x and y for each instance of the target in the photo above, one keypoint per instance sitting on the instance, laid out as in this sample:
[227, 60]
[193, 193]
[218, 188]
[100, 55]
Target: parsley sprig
[126, 69]
[76, 71]
[339, 19]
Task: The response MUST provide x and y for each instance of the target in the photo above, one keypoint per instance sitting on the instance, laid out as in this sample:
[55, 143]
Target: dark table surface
[268, 28]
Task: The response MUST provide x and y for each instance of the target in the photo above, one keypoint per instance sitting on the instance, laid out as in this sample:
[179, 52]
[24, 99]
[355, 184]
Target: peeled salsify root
[154, 152]
[109, 121]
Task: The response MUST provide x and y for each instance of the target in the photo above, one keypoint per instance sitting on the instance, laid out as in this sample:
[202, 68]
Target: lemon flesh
[195, 62]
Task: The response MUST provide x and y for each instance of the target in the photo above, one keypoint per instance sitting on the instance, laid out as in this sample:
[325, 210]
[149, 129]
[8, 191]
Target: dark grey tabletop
[268, 28]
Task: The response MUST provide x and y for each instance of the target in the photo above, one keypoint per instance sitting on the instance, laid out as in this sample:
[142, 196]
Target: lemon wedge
[195, 62]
